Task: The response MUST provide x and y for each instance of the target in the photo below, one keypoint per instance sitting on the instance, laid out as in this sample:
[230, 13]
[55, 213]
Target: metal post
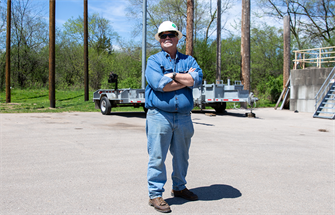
[287, 60]
[245, 44]
[189, 28]
[86, 78]
[8, 94]
[144, 41]
[320, 59]
[218, 41]
[52, 53]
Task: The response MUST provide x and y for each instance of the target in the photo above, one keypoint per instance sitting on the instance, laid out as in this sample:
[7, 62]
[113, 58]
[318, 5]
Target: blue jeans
[167, 130]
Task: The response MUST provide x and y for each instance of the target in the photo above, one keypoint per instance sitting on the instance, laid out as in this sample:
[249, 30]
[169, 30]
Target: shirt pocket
[182, 69]
[166, 69]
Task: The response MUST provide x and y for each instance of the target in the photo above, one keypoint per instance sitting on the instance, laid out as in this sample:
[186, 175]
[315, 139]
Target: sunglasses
[171, 35]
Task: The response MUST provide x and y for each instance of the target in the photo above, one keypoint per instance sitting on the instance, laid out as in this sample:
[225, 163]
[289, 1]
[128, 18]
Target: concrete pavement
[280, 162]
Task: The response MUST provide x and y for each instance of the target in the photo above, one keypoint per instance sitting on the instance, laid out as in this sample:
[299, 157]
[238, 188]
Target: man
[171, 77]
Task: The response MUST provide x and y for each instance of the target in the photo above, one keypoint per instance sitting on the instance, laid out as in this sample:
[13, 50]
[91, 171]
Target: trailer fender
[97, 104]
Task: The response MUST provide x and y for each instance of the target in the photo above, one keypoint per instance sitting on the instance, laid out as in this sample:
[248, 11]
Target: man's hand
[191, 70]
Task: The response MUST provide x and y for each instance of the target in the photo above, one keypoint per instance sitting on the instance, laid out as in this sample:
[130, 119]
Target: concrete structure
[305, 83]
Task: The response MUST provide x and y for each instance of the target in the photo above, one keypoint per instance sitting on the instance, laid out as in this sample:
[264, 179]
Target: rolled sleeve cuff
[196, 79]
[164, 81]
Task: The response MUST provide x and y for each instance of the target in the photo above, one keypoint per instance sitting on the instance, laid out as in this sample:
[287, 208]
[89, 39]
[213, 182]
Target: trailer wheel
[105, 106]
[220, 108]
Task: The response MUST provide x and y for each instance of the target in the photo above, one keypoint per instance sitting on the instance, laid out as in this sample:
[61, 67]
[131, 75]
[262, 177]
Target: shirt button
[176, 98]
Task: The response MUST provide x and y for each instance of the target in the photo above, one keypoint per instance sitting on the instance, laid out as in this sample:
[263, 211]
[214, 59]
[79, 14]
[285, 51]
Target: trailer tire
[105, 106]
[220, 108]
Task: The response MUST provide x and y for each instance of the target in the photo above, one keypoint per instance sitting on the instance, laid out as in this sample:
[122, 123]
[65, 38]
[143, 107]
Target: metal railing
[324, 88]
[316, 56]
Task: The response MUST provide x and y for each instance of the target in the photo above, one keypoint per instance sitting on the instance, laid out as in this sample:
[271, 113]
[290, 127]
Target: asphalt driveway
[280, 162]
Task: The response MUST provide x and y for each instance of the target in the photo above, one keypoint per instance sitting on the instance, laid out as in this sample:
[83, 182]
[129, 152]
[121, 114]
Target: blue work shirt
[179, 101]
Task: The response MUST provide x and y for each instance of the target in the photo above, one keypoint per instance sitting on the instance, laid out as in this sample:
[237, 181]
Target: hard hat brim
[180, 35]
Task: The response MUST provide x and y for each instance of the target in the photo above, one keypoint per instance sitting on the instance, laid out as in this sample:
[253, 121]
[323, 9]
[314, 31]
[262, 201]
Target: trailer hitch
[251, 101]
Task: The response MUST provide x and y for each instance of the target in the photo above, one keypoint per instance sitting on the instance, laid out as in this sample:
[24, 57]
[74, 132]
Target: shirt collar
[168, 55]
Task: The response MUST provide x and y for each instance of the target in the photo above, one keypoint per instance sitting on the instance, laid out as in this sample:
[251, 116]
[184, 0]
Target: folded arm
[172, 86]
[180, 81]
[164, 83]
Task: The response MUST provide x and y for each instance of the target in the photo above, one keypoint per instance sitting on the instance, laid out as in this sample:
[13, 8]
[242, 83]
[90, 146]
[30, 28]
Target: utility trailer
[213, 95]
[217, 95]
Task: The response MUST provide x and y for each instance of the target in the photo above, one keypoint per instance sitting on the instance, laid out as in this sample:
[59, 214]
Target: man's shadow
[209, 193]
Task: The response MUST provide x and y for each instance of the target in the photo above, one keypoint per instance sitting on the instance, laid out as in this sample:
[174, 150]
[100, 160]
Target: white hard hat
[168, 26]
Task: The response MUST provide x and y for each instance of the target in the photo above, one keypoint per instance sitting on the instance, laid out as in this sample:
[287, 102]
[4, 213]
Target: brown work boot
[160, 205]
[185, 193]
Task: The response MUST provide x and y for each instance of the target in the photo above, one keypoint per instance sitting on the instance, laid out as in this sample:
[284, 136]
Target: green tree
[311, 21]
[205, 54]
[128, 66]
[100, 37]
[69, 64]
[231, 58]
[28, 37]
[100, 32]
[176, 11]
[2, 70]
[266, 57]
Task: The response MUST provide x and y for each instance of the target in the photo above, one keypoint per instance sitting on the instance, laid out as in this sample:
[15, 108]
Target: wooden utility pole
[52, 93]
[189, 28]
[86, 78]
[8, 94]
[287, 56]
[245, 44]
[218, 41]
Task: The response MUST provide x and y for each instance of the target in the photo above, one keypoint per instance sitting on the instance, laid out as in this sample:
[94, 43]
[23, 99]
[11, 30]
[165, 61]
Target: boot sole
[163, 211]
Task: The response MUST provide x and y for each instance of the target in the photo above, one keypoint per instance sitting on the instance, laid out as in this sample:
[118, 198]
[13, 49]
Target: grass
[37, 101]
